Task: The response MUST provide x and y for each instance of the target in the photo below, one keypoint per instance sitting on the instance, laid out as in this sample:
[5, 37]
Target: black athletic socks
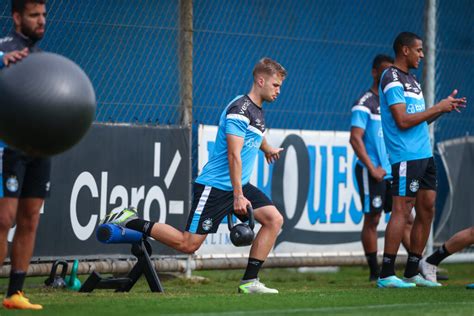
[253, 267]
[140, 225]
[411, 268]
[438, 256]
[373, 265]
[388, 265]
[17, 278]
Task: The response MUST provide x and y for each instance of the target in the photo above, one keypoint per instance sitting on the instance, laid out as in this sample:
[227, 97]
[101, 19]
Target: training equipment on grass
[114, 234]
[54, 280]
[47, 104]
[242, 234]
[72, 282]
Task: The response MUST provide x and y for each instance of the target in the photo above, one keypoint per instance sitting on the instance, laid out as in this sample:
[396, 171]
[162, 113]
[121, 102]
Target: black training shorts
[410, 176]
[211, 205]
[24, 176]
[375, 196]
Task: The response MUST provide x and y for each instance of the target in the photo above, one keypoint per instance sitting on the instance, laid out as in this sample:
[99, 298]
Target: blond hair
[269, 67]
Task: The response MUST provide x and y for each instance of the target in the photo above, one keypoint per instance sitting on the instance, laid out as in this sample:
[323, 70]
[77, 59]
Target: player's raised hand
[452, 103]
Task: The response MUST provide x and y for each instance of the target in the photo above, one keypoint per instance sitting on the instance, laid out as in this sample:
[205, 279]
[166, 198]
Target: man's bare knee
[372, 220]
[274, 222]
[8, 208]
[189, 248]
[270, 217]
[426, 213]
[6, 222]
[28, 224]
[277, 220]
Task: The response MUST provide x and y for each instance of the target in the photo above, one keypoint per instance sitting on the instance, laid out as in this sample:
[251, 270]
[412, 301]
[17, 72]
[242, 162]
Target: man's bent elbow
[403, 125]
[353, 141]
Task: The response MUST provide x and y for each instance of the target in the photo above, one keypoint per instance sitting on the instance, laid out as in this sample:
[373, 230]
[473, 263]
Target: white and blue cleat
[394, 282]
[419, 280]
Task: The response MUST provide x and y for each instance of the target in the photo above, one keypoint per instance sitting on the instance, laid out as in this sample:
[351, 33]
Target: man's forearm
[434, 118]
[361, 153]
[264, 146]
[235, 171]
[409, 120]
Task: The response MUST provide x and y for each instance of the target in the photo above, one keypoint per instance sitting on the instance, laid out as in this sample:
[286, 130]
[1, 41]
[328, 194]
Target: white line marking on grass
[318, 309]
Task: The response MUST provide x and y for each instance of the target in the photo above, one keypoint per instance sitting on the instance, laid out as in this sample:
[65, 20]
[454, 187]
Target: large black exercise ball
[47, 104]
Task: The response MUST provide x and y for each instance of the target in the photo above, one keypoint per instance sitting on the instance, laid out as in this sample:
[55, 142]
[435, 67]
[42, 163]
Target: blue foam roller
[114, 234]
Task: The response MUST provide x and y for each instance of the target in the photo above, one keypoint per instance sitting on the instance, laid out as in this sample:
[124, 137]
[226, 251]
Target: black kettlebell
[242, 234]
[54, 280]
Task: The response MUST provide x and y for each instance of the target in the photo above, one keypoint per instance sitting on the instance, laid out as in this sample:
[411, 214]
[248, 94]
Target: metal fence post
[429, 75]
[186, 83]
[186, 61]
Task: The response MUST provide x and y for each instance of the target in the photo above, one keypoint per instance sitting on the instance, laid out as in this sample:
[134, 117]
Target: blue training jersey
[397, 86]
[366, 115]
[241, 118]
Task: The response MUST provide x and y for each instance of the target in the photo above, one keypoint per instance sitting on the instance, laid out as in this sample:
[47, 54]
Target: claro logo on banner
[120, 196]
[113, 167]
[312, 185]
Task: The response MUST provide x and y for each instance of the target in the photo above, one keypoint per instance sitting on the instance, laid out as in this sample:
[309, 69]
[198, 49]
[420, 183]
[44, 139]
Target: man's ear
[260, 81]
[16, 18]
[405, 50]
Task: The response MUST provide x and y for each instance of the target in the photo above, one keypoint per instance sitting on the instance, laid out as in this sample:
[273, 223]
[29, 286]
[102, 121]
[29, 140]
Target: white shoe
[419, 280]
[254, 286]
[428, 270]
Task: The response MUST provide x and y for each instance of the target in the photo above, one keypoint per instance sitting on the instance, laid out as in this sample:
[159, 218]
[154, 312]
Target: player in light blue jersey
[244, 119]
[373, 171]
[405, 124]
[223, 185]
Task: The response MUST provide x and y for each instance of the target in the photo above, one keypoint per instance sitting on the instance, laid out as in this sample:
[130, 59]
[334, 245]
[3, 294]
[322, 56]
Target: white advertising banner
[313, 186]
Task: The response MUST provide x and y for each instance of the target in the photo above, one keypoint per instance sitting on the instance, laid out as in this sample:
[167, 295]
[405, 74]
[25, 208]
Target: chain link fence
[326, 46]
[454, 68]
[130, 50]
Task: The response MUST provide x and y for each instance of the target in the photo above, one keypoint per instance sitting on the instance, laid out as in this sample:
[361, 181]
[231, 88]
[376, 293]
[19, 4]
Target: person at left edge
[25, 179]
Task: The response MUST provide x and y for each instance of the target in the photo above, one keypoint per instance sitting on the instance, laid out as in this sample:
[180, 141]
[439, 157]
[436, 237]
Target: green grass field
[344, 293]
